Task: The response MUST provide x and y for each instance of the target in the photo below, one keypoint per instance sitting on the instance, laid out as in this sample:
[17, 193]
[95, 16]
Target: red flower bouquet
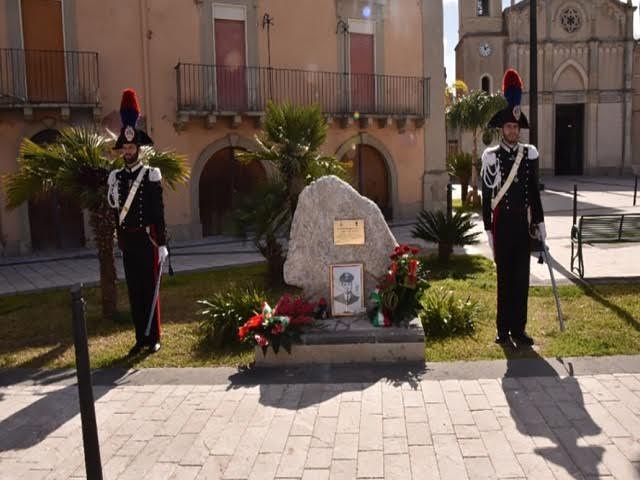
[397, 297]
[278, 327]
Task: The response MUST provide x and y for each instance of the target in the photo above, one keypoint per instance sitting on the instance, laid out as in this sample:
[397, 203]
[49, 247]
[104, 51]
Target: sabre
[547, 255]
[155, 299]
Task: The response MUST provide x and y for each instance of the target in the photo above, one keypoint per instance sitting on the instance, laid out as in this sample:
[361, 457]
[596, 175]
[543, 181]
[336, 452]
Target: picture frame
[347, 289]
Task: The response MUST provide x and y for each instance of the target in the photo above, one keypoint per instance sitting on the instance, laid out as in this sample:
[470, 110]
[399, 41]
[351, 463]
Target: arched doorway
[369, 175]
[55, 219]
[224, 181]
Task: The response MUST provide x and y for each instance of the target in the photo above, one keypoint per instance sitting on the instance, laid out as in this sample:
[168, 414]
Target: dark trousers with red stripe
[140, 259]
[512, 256]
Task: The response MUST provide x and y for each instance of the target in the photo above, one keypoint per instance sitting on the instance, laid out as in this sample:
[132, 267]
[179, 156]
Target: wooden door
[224, 181]
[43, 37]
[362, 68]
[231, 76]
[369, 175]
[55, 219]
[569, 139]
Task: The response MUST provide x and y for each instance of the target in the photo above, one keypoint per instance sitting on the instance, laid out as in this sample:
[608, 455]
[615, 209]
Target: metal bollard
[85, 389]
[635, 191]
[449, 201]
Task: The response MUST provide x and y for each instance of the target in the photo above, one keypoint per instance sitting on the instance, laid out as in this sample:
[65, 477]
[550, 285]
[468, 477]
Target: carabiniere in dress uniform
[512, 212]
[135, 194]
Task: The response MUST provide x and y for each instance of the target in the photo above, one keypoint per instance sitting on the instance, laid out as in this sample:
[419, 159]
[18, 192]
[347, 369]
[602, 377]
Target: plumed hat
[129, 114]
[512, 113]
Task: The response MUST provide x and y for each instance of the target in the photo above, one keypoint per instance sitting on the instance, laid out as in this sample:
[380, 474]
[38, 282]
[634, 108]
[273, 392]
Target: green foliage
[459, 165]
[291, 142]
[223, 313]
[444, 315]
[437, 228]
[473, 111]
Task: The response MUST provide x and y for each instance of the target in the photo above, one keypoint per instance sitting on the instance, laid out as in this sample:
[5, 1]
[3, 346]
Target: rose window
[570, 20]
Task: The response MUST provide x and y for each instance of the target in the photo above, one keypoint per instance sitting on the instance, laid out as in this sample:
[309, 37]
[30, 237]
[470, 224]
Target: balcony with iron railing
[48, 79]
[213, 91]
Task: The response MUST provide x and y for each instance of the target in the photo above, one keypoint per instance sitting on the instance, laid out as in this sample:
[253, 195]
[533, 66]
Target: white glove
[490, 240]
[542, 232]
[163, 253]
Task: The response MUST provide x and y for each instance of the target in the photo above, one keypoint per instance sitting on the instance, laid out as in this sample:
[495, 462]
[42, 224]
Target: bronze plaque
[348, 232]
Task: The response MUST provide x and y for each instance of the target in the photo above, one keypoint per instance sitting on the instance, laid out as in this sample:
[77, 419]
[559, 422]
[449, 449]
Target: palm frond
[174, 167]
[437, 228]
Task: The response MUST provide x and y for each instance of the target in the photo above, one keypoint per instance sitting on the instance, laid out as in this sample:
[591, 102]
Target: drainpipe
[146, 77]
[627, 97]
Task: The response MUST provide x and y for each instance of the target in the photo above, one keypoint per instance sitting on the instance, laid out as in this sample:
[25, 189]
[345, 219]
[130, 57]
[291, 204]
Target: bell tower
[479, 53]
[479, 16]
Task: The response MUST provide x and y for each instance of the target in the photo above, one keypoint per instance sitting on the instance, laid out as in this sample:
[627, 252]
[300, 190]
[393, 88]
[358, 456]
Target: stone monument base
[351, 340]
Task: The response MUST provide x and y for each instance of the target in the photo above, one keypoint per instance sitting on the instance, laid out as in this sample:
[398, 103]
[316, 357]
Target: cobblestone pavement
[165, 425]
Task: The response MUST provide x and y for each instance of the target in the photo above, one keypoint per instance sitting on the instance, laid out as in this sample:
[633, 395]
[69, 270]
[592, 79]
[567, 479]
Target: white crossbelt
[132, 194]
[512, 174]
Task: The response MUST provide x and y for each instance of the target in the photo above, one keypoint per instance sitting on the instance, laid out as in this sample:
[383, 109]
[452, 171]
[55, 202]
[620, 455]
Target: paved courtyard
[537, 419]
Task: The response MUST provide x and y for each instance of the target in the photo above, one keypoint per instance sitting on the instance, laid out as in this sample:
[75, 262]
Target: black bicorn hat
[129, 114]
[512, 113]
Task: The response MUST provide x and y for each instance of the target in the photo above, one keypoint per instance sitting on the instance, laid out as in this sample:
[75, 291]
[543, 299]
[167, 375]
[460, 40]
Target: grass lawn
[36, 328]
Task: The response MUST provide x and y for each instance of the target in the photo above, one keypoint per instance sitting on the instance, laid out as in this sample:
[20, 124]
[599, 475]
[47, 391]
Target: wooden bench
[592, 229]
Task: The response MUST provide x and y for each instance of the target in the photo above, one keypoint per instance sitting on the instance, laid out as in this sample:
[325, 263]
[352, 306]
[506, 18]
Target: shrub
[224, 312]
[444, 315]
[446, 232]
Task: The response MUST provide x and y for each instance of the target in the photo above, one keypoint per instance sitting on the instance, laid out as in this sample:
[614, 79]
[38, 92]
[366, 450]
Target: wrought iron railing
[219, 89]
[56, 77]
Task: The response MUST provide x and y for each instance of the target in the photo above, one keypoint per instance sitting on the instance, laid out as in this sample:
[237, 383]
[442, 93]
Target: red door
[231, 77]
[44, 44]
[362, 72]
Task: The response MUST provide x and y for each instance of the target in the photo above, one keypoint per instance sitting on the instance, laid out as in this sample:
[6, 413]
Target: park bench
[593, 229]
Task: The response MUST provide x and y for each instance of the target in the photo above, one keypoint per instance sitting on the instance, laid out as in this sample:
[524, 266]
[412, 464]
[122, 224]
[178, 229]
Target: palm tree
[436, 227]
[472, 112]
[291, 142]
[460, 165]
[78, 164]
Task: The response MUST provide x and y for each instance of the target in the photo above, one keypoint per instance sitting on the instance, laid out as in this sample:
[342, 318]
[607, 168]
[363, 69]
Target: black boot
[136, 349]
[522, 339]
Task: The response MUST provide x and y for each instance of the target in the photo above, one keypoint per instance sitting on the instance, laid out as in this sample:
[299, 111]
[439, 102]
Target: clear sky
[451, 32]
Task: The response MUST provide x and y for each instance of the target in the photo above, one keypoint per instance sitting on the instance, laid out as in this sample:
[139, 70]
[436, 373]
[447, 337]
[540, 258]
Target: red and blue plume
[129, 108]
[512, 87]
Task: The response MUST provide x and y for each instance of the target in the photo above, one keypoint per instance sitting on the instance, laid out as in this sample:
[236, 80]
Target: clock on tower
[485, 49]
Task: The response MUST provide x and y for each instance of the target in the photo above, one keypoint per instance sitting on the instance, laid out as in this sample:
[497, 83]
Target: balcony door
[362, 66]
[43, 41]
[230, 50]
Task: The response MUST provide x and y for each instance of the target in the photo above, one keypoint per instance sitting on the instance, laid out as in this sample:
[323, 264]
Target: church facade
[588, 76]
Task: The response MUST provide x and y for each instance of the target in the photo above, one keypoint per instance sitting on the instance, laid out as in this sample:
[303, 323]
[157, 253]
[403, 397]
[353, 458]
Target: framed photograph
[347, 289]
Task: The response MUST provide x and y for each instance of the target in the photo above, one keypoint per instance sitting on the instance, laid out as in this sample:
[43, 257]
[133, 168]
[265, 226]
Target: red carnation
[242, 332]
[254, 321]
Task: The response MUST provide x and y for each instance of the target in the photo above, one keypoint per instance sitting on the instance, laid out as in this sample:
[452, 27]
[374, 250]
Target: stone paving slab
[393, 423]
